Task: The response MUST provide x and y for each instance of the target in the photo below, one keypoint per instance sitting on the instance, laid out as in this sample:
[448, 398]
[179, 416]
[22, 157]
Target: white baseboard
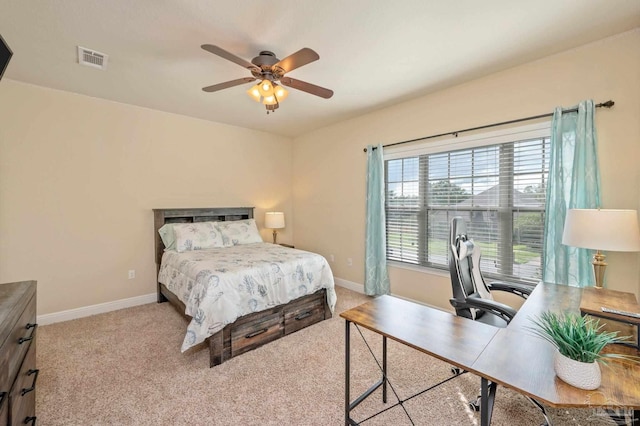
[359, 288]
[100, 308]
[349, 285]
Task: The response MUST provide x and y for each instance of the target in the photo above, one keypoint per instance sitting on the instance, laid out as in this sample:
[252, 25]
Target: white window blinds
[498, 189]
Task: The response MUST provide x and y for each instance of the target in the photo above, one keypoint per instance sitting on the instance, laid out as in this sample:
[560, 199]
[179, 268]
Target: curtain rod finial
[608, 104]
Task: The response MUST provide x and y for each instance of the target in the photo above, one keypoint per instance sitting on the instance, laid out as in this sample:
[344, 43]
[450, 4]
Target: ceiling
[373, 53]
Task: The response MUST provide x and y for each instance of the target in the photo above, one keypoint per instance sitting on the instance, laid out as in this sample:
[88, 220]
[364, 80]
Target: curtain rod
[607, 104]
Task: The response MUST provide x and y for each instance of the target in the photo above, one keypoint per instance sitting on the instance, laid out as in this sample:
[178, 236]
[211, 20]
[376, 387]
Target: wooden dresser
[18, 373]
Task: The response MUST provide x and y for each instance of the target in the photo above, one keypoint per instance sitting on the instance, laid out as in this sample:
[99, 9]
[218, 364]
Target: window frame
[508, 135]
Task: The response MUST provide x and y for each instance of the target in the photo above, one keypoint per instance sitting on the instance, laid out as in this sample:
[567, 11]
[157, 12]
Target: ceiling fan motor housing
[265, 60]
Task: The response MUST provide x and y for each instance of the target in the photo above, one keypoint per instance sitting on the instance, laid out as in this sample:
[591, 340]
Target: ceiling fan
[270, 71]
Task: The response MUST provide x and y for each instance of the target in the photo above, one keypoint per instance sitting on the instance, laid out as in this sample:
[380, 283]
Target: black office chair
[472, 294]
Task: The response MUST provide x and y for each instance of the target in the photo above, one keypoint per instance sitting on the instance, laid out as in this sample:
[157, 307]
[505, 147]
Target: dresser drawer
[307, 311]
[16, 345]
[251, 332]
[22, 399]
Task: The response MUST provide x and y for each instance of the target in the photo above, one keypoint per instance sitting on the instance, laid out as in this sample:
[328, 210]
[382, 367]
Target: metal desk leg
[487, 396]
[347, 373]
[384, 369]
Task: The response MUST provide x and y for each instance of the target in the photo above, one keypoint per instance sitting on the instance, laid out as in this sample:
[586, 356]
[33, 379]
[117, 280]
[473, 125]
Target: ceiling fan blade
[306, 87]
[229, 56]
[228, 84]
[298, 59]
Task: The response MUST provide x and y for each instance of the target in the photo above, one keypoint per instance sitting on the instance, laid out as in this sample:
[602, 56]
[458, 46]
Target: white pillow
[197, 236]
[168, 236]
[239, 232]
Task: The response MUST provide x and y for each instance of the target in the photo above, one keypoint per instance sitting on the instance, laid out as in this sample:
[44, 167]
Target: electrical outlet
[132, 274]
[332, 258]
[349, 261]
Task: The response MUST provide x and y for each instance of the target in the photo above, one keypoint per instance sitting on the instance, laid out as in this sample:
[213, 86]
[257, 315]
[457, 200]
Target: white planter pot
[582, 375]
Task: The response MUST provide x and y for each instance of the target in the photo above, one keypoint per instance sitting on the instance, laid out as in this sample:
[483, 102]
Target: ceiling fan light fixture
[266, 88]
[270, 100]
[280, 92]
[254, 93]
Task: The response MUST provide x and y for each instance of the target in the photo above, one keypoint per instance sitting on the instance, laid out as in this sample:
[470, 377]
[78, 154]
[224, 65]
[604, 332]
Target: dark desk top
[440, 334]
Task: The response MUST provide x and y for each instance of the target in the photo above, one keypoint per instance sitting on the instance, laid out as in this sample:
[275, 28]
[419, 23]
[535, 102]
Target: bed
[243, 294]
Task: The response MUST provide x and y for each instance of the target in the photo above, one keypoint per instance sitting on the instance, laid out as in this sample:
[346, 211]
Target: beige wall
[79, 177]
[329, 164]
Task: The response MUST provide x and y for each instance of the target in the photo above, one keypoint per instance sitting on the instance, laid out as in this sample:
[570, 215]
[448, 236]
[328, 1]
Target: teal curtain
[376, 278]
[574, 182]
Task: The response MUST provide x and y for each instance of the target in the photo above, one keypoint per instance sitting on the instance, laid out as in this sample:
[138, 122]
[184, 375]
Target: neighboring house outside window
[495, 181]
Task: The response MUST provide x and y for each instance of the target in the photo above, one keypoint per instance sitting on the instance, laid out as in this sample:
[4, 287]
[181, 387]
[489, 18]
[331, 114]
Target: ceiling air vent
[91, 58]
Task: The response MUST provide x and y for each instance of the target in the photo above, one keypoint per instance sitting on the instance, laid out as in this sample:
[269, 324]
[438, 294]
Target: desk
[593, 299]
[510, 356]
[440, 334]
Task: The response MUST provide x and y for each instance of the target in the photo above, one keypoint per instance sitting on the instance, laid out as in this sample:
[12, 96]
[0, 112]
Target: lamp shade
[254, 92]
[280, 92]
[269, 100]
[600, 229]
[274, 220]
[265, 88]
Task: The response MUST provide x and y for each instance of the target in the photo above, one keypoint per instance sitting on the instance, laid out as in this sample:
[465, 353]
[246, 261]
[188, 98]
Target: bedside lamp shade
[601, 229]
[274, 220]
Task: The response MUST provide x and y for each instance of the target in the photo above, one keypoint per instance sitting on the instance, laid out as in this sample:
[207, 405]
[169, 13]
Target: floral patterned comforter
[219, 285]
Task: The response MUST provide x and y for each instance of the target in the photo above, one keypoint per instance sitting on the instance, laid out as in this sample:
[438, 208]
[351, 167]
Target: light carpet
[125, 368]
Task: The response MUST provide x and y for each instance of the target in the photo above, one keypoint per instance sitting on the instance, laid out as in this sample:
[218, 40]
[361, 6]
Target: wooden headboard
[205, 214]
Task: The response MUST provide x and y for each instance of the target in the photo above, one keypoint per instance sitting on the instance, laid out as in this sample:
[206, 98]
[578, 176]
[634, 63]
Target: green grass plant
[580, 338]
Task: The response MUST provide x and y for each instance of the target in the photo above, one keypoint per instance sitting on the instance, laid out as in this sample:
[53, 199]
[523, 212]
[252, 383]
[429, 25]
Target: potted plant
[579, 341]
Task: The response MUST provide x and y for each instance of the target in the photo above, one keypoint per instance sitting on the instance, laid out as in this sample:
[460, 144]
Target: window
[498, 188]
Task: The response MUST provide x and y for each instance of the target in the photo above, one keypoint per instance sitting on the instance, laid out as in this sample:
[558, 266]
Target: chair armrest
[487, 305]
[521, 290]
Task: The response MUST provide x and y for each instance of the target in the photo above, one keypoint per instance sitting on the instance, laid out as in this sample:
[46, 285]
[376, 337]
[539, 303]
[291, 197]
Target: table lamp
[274, 220]
[600, 229]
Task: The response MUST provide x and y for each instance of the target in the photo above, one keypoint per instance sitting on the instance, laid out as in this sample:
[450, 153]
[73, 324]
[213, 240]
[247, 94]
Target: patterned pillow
[197, 236]
[239, 232]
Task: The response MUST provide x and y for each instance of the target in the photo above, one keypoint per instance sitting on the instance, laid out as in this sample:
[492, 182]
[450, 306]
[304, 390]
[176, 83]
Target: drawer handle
[303, 315]
[25, 391]
[256, 333]
[26, 339]
[30, 419]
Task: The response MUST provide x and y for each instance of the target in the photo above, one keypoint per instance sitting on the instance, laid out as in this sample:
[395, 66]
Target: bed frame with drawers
[253, 330]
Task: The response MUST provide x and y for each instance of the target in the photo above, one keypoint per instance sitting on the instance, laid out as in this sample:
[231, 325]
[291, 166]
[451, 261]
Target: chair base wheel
[475, 406]
[456, 371]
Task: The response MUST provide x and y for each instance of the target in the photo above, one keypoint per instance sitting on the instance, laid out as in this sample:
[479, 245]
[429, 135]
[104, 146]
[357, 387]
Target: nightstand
[286, 245]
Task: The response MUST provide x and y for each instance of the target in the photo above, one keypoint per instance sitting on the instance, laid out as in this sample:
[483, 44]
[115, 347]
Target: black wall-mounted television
[5, 56]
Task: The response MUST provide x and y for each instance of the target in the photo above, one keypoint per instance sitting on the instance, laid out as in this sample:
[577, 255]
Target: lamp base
[599, 266]
[275, 236]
